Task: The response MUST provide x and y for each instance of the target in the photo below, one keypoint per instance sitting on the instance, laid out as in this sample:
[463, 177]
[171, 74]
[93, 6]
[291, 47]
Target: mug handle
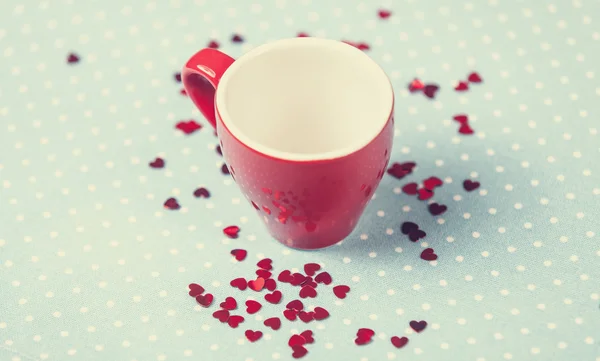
[201, 75]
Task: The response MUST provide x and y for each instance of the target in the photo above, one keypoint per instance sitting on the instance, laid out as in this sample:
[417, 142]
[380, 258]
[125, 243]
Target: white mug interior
[305, 99]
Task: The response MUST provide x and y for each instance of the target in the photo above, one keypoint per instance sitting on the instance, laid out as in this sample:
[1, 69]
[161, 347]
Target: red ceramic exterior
[305, 204]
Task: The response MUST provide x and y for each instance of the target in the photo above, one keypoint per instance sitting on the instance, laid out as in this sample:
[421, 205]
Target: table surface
[92, 267]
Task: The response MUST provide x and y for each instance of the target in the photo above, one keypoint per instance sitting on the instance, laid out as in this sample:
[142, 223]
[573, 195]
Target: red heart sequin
[263, 274]
[234, 321]
[201, 193]
[465, 129]
[213, 44]
[72, 58]
[285, 276]
[436, 209]
[341, 291]
[432, 182]
[418, 326]
[299, 351]
[252, 306]
[399, 342]
[231, 231]
[253, 336]
[306, 317]
[324, 278]
[461, 118]
[290, 314]
[384, 14]
[195, 289]
[425, 194]
[257, 284]
[221, 315]
[400, 170]
[205, 300]
[236, 38]
[311, 268]
[218, 150]
[408, 227]
[428, 255]
[320, 313]
[364, 336]
[177, 77]
[415, 85]
[470, 185]
[157, 163]
[273, 322]
[474, 78]
[411, 189]
[270, 284]
[430, 90]
[183, 92]
[308, 336]
[295, 305]
[308, 291]
[296, 340]
[461, 86]
[188, 127]
[274, 297]
[297, 279]
[224, 169]
[239, 254]
[416, 235]
[265, 264]
[229, 304]
[171, 204]
[239, 283]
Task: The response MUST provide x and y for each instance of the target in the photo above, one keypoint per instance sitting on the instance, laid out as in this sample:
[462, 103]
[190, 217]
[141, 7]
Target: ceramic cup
[306, 129]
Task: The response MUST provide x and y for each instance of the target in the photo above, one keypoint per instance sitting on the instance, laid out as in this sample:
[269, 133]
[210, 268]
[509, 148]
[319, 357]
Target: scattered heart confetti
[205, 300]
[428, 255]
[265, 264]
[213, 44]
[384, 14]
[263, 274]
[400, 170]
[430, 90]
[461, 118]
[341, 291]
[296, 340]
[436, 209]
[399, 342]
[295, 305]
[408, 227]
[416, 235]
[290, 314]
[320, 313]
[411, 189]
[306, 317]
[465, 129]
[195, 289]
[234, 321]
[183, 92]
[461, 86]
[157, 163]
[171, 204]
[418, 326]
[73, 58]
[311, 269]
[252, 306]
[201, 193]
[257, 284]
[274, 323]
[239, 254]
[274, 297]
[415, 86]
[324, 278]
[177, 77]
[474, 78]
[219, 150]
[358, 45]
[308, 336]
[221, 315]
[285, 276]
[270, 284]
[188, 127]
[229, 304]
[239, 283]
[253, 336]
[470, 185]
[299, 351]
[364, 336]
[308, 291]
[425, 194]
[231, 231]
[236, 38]
[432, 182]
[297, 279]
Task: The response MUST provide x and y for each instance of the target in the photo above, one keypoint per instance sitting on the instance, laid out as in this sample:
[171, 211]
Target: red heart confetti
[411, 189]
[320, 313]
[399, 342]
[265, 264]
[428, 255]
[299, 351]
[324, 278]
[171, 204]
[302, 35]
[270, 284]
[285, 276]
[308, 291]
[263, 274]
[297, 279]
[177, 77]
[290, 314]
[157, 163]
[188, 127]
[425, 194]
[229, 304]
[231, 231]
[461, 86]
[273, 322]
[221, 315]
[474, 78]
[311, 268]
[252, 306]
[416, 235]
[364, 336]
[218, 150]
[461, 118]
[295, 305]
[213, 44]
[308, 336]
[465, 129]
[257, 284]
[201, 193]
[430, 90]
[408, 227]
[418, 326]
[234, 321]
[239, 254]
[73, 58]
[400, 170]
[358, 45]
[224, 169]
[296, 340]
[341, 291]
[432, 182]
[470, 185]
[253, 336]
[306, 317]
[183, 92]
[205, 300]
[384, 14]
[415, 86]
[436, 209]
[195, 289]
[236, 38]
[274, 297]
[239, 283]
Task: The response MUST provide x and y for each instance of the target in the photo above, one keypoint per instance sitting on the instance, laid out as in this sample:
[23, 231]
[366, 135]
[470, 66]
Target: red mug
[306, 128]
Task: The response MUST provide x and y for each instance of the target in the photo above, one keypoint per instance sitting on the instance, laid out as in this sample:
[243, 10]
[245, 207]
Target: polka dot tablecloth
[93, 267]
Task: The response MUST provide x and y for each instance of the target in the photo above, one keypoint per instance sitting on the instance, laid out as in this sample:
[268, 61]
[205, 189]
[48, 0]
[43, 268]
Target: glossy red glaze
[324, 199]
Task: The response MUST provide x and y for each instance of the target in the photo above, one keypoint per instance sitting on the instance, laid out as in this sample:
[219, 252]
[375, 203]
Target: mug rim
[225, 118]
